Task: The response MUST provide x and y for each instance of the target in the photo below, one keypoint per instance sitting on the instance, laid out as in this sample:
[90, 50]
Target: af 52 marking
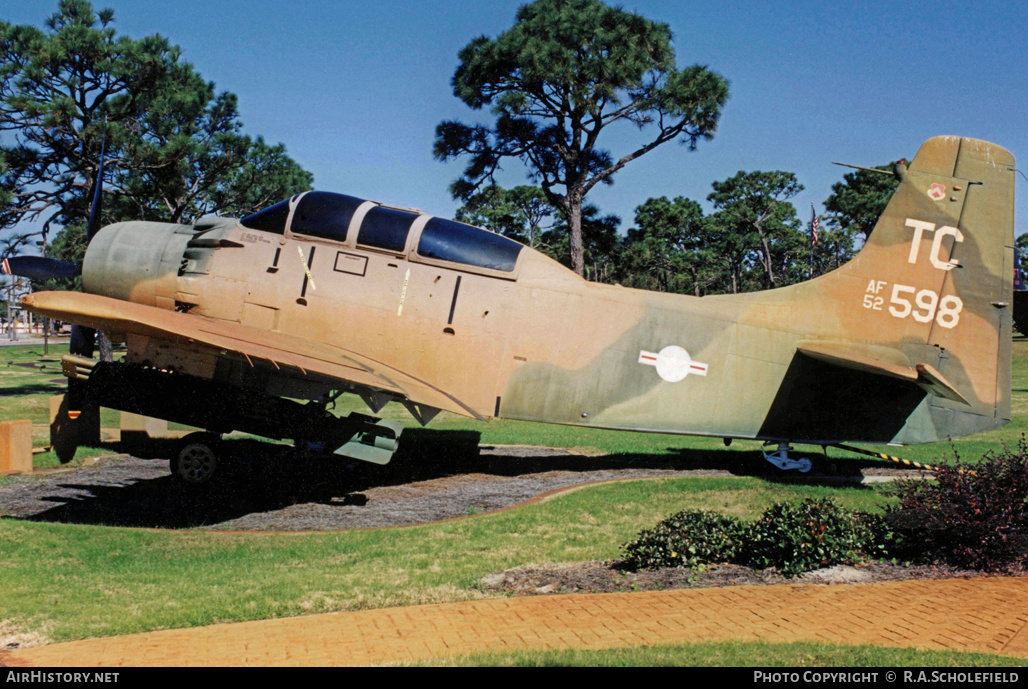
[924, 305]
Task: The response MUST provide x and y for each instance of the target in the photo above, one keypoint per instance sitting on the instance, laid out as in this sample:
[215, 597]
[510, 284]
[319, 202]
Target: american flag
[813, 226]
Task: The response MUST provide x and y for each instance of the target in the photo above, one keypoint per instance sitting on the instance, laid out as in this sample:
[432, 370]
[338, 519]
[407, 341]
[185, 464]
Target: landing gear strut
[781, 459]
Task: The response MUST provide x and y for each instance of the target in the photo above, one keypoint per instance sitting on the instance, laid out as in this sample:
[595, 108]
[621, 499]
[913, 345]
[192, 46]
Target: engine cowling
[136, 261]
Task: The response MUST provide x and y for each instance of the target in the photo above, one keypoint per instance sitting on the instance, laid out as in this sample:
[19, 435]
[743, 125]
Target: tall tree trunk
[767, 260]
[104, 343]
[575, 240]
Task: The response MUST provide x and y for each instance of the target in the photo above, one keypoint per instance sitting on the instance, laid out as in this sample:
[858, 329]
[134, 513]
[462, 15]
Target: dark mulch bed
[606, 576]
[437, 475]
[276, 491]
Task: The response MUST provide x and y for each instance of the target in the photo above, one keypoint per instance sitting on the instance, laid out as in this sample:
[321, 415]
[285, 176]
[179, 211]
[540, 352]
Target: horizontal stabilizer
[931, 380]
[874, 360]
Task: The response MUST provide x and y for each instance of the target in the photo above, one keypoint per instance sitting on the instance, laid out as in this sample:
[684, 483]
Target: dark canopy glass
[386, 228]
[271, 219]
[327, 215]
[324, 214]
[449, 240]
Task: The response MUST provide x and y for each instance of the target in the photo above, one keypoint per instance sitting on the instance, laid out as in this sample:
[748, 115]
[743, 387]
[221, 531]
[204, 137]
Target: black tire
[196, 460]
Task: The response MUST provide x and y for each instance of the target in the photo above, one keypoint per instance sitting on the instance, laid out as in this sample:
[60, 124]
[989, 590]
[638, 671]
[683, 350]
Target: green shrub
[976, 519]
[801, 537]
[792, 537]
[687, 539]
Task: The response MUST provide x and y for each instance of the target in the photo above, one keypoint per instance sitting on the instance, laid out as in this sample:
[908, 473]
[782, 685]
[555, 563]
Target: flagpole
[813, 238]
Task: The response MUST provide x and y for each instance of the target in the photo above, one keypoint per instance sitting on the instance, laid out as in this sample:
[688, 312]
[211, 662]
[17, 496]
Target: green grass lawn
[68, 578]
[67, 581]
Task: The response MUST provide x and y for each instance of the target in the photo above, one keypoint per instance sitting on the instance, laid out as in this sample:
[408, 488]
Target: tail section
[938, 273]
[952, 219]
[925, 307]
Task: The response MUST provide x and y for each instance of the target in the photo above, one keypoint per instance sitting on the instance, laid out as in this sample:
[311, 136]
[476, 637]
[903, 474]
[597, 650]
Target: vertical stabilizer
[938, 278]
[911, 339]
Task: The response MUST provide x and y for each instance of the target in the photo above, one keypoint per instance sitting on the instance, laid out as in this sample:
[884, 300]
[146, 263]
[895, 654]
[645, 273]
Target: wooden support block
[55, 407]
[16, 447]
[139, 424]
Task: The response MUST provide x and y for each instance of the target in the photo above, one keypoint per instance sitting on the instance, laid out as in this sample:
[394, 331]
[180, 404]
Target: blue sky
[355, 90]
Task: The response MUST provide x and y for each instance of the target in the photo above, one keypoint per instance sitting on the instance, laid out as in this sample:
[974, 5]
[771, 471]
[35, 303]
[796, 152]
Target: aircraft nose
[130, 260]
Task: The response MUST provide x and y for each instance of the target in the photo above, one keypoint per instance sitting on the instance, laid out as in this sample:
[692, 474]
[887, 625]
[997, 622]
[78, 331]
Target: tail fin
[935, 280]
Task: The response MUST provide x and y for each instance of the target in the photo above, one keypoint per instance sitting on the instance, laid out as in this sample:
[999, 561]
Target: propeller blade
[39, 268]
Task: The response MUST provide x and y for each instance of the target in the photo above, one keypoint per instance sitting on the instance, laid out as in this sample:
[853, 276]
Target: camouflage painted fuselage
[827, 360]
[908, 343]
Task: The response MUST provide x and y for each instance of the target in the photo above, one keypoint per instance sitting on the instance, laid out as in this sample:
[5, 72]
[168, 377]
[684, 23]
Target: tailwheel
[196, 460]
[782, 460]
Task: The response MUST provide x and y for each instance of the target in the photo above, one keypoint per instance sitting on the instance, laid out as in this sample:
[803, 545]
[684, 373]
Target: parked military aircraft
[229, 322]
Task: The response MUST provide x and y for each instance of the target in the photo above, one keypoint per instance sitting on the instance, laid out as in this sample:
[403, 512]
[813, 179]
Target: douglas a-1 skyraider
[257, 324]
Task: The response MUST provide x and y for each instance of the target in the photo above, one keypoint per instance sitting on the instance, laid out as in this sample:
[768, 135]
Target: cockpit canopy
[326, 215]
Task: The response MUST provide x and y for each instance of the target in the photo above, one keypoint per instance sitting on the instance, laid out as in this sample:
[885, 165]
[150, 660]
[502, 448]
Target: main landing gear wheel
[196, 460]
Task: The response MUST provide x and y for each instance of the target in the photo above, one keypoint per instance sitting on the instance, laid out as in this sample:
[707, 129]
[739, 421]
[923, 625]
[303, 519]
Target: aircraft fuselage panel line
[453, 302]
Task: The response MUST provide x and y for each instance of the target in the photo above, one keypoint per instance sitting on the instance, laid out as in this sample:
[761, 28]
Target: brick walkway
[986, 615]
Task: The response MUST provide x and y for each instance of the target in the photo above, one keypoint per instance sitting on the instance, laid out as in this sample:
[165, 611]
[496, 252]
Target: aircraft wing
[282, 350]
